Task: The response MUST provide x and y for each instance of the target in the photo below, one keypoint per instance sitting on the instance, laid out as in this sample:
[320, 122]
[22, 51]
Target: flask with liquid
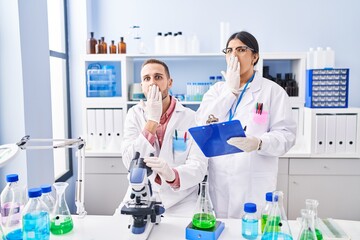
[121, 46]
[90, 44]
[266, 210]
[61, 221]
[12, 203]
[47, 196]
[204, 215]
[312, 204]
[250, 222]
[36, 222]
[307, 231]
[112, 47]
[277, 226]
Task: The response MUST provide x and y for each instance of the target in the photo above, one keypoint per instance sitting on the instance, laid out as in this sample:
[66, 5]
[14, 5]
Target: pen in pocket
[176, 134]
[185, 135]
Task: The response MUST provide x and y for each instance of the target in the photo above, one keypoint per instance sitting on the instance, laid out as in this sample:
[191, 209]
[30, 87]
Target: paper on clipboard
[212, 138]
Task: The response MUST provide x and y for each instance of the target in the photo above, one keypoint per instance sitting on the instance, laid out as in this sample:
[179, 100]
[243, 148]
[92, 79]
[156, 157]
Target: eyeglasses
[238, 50]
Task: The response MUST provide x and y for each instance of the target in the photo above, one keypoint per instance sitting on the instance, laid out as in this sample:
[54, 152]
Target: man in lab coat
[263, 108]
[159, 127]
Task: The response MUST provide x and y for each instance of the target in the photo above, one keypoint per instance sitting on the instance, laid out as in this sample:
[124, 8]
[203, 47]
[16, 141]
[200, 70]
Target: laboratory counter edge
[100, 227]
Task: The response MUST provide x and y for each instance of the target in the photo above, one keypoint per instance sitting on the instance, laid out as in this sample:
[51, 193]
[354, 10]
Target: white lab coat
[191, 164]
[246, 177]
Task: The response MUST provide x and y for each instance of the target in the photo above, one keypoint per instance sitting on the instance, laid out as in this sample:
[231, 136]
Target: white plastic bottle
[193, 45]
[180, 46]
[310, 58]
[12, 203]
[319, 58]
[47, 197]
[329, 58]
[35, 220]
[159, 43]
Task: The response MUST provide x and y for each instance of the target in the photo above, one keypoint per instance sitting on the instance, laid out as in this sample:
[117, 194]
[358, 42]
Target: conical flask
[204, 215]
[312, 204]
[61, 221]
[277, 226]
[307, 231]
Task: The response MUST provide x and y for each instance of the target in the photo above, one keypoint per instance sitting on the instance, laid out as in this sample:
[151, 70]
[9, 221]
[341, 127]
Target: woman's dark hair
[248, 39]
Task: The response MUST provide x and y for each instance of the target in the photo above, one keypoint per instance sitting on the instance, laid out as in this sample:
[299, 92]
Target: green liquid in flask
[263, 222]
[64, 227]
[319, 235]
[307, 235]
[204, 220]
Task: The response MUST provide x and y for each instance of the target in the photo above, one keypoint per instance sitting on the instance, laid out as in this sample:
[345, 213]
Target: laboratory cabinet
[105, 184]
[333, 182]
[283, 180]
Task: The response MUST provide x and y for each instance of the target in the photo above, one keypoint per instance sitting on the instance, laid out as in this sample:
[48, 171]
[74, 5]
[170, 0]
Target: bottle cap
[159, 34]
[212, 78]
[250, 207]
[34, 192]
[12, 178]
[45, 188]
[268, 196]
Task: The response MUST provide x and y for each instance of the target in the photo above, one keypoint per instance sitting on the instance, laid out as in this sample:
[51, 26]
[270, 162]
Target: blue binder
[212, 138]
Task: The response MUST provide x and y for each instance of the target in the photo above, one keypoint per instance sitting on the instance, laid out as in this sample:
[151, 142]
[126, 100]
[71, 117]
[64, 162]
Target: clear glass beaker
[312, 204]
[277, 226]
[307, 231]
[204, 215]
[61, 221]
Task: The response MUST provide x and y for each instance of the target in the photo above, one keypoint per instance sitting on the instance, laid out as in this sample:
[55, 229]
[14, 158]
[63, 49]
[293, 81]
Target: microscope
[142, 206]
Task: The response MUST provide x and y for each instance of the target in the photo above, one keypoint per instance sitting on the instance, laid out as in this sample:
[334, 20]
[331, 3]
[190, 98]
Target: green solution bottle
[266, 210]
[61, 221]
[204, 216]
[312, 204]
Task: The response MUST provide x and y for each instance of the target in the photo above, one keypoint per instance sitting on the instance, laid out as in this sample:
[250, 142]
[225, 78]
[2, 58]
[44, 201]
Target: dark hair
[248, 39]
[152, 60]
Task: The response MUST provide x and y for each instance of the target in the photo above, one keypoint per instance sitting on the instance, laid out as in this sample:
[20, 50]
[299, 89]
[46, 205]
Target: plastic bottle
[194, 45]
[159, 43]
[36, 221]
[90, 44]
[180, 46]
[121, 46]
[266, 210]
[319, 58]
[169, 43]
[47, 197]
[310, 59]
[250, 222]
[224, 34]
[329, 58]
[12, 203]
[112, 47]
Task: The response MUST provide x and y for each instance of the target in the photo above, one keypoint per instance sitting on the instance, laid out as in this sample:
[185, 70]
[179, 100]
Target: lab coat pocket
[180, 146]
[260, 118]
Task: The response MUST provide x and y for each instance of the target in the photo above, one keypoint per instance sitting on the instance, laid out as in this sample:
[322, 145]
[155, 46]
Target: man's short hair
[152, 60]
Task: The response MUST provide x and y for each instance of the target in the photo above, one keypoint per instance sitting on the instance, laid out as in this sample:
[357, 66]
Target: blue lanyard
[231, 115]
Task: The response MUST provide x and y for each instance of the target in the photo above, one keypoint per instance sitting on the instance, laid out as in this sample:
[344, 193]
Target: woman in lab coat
[263, 108]
[160, 127]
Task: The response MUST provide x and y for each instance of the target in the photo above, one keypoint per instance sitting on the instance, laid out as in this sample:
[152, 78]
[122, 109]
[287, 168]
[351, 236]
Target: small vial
[250, 222]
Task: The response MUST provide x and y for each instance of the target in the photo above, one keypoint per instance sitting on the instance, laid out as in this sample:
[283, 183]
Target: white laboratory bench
[96, 227]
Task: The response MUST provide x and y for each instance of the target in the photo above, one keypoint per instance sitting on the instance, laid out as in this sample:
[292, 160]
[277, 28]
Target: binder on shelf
[100, 129]
[118, 126]
[340, 133]
[109, 125]
[351, 130]
[330, 133]
[320, 133]
[212, 138]
[91, 127]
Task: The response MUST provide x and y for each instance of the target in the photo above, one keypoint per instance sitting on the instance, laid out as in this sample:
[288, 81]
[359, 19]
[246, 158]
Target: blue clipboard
[212, 138]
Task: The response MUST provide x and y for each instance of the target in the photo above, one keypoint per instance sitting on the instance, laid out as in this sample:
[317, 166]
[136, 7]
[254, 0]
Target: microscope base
[200, 234]
[144, 235]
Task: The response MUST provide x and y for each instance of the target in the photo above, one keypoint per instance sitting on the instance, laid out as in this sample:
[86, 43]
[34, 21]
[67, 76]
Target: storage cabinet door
[338, 196]
[283, 179]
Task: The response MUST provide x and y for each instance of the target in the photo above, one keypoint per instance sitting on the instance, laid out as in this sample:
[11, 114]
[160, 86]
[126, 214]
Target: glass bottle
[312, 204]
[204, 215]
[61, 221]
[112, 47]
[47, 196]
[90, 44]
[121, 46]
[36, 222]
[307, 231]
[277, 226]
[12, 203]
[103, 46]
[266, 210]
[250, 222]
[97, 47]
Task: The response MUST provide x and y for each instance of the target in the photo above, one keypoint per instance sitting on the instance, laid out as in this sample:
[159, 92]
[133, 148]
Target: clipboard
[212, 138]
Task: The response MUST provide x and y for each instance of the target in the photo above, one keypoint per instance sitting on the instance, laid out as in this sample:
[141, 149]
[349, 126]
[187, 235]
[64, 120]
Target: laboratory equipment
[142, 206]
[61, 221]
[47, 196]
[112, 47]
[277, 226]
[121, 46]
[266, 210]
[307, 231]
[12, 203]
[36, 222]
[250, 222]
[312, 204]
[204, 215]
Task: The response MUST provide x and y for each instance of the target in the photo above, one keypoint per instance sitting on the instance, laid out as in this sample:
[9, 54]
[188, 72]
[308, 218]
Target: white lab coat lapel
[254, 86]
